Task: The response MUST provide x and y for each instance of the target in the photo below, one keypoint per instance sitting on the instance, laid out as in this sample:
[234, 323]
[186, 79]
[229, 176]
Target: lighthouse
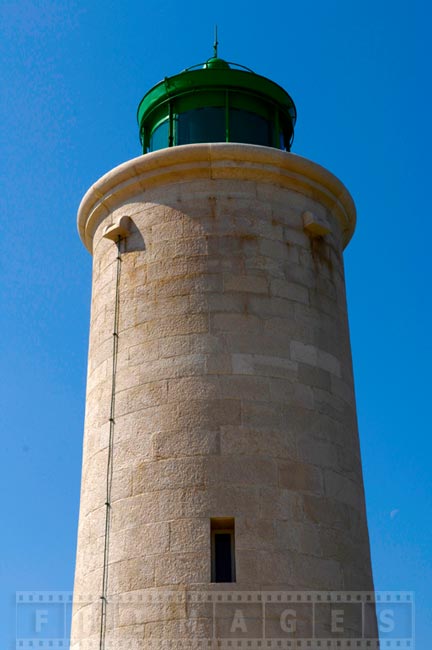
[222, 500]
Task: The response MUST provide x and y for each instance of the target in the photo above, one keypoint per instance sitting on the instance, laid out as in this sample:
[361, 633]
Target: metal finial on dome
[215, 44]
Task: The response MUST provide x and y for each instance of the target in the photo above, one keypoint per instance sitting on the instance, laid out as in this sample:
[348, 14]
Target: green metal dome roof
[216, 62]
[216, 83]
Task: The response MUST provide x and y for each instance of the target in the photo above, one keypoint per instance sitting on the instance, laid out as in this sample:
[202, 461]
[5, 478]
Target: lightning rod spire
[216, 43]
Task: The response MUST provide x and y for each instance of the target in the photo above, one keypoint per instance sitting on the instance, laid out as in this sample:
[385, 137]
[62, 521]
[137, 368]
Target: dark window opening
[222, 550]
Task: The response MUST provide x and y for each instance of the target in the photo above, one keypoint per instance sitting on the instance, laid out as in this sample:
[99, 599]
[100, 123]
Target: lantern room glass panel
[249, 128]
[159, 138]
[201, 125]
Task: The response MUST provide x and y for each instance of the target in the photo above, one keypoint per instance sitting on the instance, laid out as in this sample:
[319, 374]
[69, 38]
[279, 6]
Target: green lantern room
[216, 101]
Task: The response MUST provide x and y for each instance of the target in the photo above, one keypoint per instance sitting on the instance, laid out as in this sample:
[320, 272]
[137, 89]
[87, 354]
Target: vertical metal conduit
[109, 476]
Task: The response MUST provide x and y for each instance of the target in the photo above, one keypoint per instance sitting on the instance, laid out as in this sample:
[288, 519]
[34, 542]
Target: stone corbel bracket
[315, 226]
[118, 230]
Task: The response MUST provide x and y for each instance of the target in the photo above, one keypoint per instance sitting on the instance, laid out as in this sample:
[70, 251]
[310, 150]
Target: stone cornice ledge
[214, 161]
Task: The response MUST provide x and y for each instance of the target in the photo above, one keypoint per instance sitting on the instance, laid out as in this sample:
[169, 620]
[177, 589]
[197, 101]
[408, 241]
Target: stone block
[241, 470]
[247, 568]
[170, 474]
[142, 396]
[207, 343]
[257, 264]
[322, 303]
[167, 231]
[262, 416]
[348, 458]
[181, 324]
[176, 444]
[276, 503]
[206, 415]
[218, 364]
[254, 534]
[300, 477]
[172, 634]
[131, 574]
[313, 356]
[326, 287]
[326, 512]
[155, 505]
[303, 397]
[245, 283]
[331, 405]
[263, 226]
[165, 307]
[151, 609]
[170, 367]
[278, 250]
[180, 286]
[295, 272]
[271, 307]
[171, 346]
[190, 535]
[246, 441]
[146, 351]
[231, 303]
[263, 365]
[303, 537]
[131, 426]
[126, 378]
[197, 303]
[342, 389]
[297, 237]
[318, 452]
[329, 362]
[342, 547]
[122, 485]
[312, 376]
[139, 541]
[275, 568]
[304, 353]
[230, 501]
[325, 574]
[94, 489]
[182, 568]
[131, 451]
[245, 387]
[341, 488]
[183, 389]
[289, 290]
[282, 390]
[244, 323]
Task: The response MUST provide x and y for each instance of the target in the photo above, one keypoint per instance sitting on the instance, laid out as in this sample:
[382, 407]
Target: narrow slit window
[222, 550]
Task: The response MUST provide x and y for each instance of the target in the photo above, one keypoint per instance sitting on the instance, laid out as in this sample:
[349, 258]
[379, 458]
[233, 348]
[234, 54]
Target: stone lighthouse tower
[222, 499]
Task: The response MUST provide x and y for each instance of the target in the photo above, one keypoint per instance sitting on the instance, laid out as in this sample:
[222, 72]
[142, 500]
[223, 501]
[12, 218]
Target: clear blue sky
[72, 76]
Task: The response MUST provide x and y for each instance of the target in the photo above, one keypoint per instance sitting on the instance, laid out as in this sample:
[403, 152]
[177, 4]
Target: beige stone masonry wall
[234, 387]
